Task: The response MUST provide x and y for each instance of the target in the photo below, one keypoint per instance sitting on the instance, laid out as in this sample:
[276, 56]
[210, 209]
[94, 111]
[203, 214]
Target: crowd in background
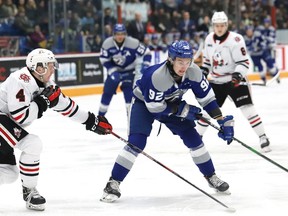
[166, 20]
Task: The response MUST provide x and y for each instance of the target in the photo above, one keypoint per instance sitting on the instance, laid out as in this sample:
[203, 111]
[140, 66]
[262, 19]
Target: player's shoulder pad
[161, 79]
[131, 43]
[209, 37]
[22, 76]
[108, 43]
[237, 37]
[194, 73]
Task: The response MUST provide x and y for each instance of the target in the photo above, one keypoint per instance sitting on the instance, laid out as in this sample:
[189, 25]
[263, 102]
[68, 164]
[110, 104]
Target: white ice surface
[76, 164]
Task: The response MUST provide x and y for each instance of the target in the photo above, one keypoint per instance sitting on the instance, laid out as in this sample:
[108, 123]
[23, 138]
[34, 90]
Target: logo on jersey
[24, 77]
[237, 39]
[17, 132]
[217, 60]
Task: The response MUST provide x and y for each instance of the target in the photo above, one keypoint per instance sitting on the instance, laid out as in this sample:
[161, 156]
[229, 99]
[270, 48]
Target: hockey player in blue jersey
[124, 58]
[259, 47]
[158, 96]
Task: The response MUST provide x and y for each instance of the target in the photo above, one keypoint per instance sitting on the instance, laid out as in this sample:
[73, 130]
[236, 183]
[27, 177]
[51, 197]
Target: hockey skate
[111, 191]
[264, 144]
[34, 200]
[218, 184]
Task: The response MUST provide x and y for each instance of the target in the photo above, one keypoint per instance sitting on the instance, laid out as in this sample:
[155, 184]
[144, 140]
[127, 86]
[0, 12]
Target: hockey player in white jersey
[24, 96]
[225, 62]
[124, 58]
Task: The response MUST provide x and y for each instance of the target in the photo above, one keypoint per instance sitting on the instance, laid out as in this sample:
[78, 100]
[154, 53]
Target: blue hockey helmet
[180, 49]
[119, 27]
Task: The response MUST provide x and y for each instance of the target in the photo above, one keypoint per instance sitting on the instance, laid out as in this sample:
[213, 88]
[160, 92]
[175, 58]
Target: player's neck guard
[221, 38]
[39, 83]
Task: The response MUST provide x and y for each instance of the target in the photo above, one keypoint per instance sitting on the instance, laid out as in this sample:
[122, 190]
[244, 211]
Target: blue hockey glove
[227, 129]
[187, 111]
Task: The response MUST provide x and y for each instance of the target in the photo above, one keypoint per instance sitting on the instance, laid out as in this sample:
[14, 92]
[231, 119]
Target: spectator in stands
[109, 19]
[87, 23]
[95, 43]
[37, 39]
[22, 22]
[205, 27]
[185, 5]
[186, 25]
[150, 28]
[108, 31]
[43, 17]
[21, 4]
[89, 7]
[175, 21]
[31, 11]
[137, 28]
[10, 9]
[78, 7]
[3, 11]
[75, 22]
[162, 21]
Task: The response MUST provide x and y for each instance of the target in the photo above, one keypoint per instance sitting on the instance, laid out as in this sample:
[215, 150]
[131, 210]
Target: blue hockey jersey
[257, 44]
[159, 90]
[124, 58]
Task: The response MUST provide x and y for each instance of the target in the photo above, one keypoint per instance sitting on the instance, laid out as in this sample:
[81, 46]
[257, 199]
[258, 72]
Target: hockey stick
[268, 83]
[170, 170]
[243, 144]
[198, 53]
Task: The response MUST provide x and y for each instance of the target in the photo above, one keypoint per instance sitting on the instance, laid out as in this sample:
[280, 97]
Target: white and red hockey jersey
[222, 58]
[16, 99]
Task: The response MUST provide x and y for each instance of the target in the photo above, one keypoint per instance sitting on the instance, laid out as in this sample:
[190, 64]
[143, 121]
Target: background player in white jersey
[225, 61]
[122, 56]
[158, 96]
[24, 96]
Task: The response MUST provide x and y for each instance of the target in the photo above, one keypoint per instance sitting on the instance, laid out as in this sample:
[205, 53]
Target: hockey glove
[226, 128]
[187, 111]
[52, 95]
[99, 124]
[236, 78]
[205, 71]
[42, 103]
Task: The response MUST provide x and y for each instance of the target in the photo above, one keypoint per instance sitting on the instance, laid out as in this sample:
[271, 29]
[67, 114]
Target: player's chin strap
[199, 116]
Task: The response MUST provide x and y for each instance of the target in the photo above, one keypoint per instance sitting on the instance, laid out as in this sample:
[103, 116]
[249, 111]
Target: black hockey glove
[205, 71]
[99, 124]
[42, 103]
[51, 95]
[236, 78]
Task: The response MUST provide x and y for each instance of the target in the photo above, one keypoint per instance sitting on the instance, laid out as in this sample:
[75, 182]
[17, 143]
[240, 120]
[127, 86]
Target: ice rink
[76, 164]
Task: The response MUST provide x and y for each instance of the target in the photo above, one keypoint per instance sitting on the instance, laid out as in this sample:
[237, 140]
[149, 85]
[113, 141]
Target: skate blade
[40, 207]
[227, 192]
[109, 198]
[266, 149]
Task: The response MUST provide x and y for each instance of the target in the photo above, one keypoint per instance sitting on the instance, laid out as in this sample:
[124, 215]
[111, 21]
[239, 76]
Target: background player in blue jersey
[158, 95]
[260, 45]
[122, 56]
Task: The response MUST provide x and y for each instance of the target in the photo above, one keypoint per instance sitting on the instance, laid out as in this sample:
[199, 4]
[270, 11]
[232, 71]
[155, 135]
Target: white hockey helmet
[40, 57]
[219, 17]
